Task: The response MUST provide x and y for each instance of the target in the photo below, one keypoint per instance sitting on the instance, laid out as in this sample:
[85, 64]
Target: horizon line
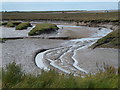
[59, 10]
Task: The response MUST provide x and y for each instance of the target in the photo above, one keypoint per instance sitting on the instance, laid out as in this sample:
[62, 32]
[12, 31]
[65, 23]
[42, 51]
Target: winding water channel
[63, 58]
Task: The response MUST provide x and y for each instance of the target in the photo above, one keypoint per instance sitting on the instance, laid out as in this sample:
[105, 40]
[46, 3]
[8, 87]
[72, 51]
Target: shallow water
[64, 30]
[69, 26]
[39, 61]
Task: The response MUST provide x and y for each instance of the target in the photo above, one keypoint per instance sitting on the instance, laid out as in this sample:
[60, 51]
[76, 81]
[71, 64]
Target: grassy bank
[13, 77]
[100, 16]
[4, 23]
[43, 28]
[16, 24]
[109, 41]
[10, 23]
[22, 26]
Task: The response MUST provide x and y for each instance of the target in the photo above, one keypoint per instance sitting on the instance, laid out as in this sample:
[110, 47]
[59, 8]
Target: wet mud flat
[63, 55]
[22, 51]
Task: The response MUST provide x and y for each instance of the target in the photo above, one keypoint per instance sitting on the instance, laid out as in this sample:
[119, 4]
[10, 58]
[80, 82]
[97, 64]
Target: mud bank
[22, 51]
[64, 58]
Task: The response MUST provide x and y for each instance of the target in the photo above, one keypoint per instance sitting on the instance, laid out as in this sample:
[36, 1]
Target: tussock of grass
[14, 78]
[22, 26]
[111, 40]
[16, 23]
[19, 25]
[10, 23]
[43, 28]
[4, 23]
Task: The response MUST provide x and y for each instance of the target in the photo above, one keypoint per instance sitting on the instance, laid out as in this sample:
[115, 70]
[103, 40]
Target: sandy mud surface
[68, 56]
[22, 52]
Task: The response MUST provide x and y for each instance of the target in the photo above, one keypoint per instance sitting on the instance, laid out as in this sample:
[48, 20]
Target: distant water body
[58, 6]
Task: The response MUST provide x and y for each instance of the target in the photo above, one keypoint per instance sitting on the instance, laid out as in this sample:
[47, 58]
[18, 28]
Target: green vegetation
[109, 41]
[43, 28]
[10, 23]
[22, 26]
[14, 78]
[19, 25]
[101, 17]
[2, 40]
[4, 23]
[15, 23]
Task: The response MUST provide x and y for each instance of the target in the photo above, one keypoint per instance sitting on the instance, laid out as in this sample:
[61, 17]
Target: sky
[45, 5]
[58, 6]
[59, 0]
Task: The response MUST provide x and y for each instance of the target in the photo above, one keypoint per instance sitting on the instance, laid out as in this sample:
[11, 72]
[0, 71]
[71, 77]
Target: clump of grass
[16, 23]
[22, 26]
[14, 78]
[10, 24]
[3, 23]
[19, 25]
[110, 40]
[43, 28]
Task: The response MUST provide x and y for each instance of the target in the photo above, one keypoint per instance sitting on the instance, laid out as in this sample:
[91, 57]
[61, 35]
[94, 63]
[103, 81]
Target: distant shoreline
[42, 11]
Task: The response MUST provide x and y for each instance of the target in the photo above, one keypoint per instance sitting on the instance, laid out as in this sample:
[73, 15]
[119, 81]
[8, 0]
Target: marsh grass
[18, 25]
[43, 28]
[102, 17]
[22, 26]
[111, 40]
[10, 23]
[3, 23]
[16, 22]
[14, 78]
